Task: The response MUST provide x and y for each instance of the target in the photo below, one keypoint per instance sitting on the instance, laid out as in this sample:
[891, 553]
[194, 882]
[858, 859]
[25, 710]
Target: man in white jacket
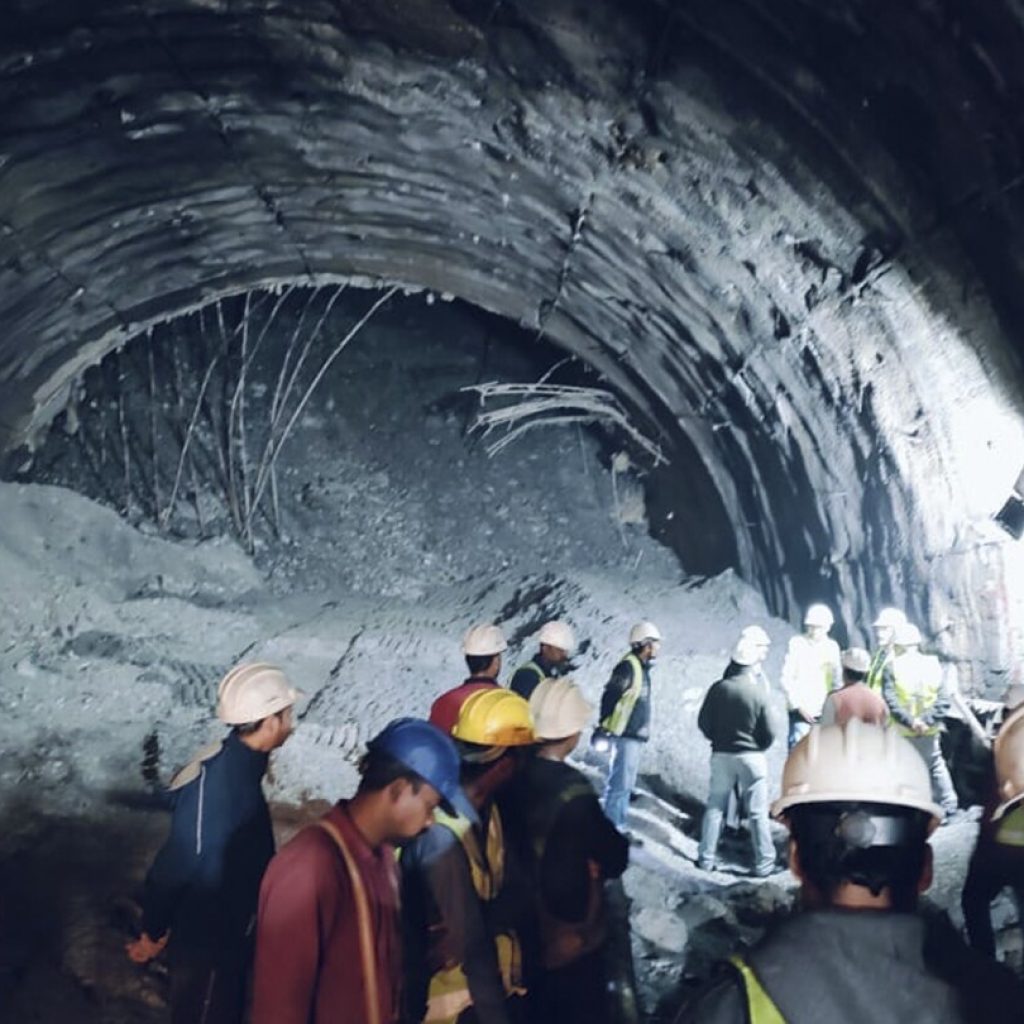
[811, 671]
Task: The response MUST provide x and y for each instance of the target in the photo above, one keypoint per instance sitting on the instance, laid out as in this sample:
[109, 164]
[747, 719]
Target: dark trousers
[574, 994]
[993, 868]
[206, 989]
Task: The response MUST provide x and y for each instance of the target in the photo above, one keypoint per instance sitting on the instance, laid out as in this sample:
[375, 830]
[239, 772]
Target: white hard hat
[483, 640]
[557, 634]
[907, 635]
[558, 709]
[890, 617]
[756, 635]
[819, 615]
[747, 652]
[642, 632]
[1009, 754]
[856, 659]
[254, 691]
[856, 763]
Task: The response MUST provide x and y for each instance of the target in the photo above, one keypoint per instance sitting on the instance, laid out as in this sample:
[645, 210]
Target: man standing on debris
[570, 847]
[854, 699]
[328, 939]
[626, 718]
[482, 647]
[811, 671]
[885, 626]
[857, 802]
[914, 691]
[461, 908]
[556, 642]
[200, 894]
[734, 717]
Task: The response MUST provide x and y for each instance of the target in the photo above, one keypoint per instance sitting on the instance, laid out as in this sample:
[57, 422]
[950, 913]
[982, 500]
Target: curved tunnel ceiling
[787, 234]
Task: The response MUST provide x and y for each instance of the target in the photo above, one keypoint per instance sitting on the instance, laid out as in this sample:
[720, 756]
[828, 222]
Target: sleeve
[523, 681]
[940, 708]
[828, 711]
[764, 734]
[790, 671]
[892, 701]
[615, 688]
[294, 900]
[174, 867]
[837, 667]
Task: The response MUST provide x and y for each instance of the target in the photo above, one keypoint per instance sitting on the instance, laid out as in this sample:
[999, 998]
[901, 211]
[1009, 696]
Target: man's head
[556, 641]
[494, 728]
[818, 621]
[560, 712]
[758, 638]
[906, 637]
[645, 640]
[857, 801]
[856, 663]
[257, 700]
[885, 625]
[482, 647]
[409, 769]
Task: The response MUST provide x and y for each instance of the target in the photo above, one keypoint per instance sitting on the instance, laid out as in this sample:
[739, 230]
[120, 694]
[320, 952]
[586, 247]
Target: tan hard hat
[483, 640]
[756, 635]
[559, 709]
[856, 763]
[643, 632]
[856, 659]
[557, 634]
[1009, 754]
[253, 691]
[889, 617]
[819, 615]
[907, 635]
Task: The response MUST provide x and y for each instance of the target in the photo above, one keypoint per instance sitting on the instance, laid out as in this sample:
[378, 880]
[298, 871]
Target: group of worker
[492, 912]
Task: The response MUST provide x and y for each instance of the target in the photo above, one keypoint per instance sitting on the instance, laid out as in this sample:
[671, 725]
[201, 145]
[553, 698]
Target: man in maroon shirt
[855, 699]
[327, 937]
[482, 647]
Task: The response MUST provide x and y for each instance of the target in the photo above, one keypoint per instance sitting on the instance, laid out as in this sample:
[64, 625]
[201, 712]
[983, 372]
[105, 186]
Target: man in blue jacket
[201, 892]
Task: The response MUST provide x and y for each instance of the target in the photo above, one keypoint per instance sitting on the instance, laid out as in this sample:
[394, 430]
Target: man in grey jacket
[857, 800]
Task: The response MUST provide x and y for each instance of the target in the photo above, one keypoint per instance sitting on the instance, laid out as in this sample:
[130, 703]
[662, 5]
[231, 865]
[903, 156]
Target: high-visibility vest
[917, 680]
[878, 662]
[760, 1008]
[448, 994]
[1010, 830]
[616, 722]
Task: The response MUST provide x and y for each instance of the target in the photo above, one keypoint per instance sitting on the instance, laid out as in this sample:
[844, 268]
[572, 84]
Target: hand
[144, 949]
[919, 727]
[808, 718]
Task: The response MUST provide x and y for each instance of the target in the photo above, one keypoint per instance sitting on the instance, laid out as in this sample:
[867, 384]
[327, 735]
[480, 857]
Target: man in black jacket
[734, 717]
[555, 643]
[201, 892]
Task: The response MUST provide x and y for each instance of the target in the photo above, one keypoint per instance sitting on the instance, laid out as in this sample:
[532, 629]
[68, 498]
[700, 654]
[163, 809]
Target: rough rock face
[785, 234]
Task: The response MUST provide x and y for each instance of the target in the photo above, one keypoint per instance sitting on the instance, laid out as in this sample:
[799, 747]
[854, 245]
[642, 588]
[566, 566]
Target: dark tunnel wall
[787, 234]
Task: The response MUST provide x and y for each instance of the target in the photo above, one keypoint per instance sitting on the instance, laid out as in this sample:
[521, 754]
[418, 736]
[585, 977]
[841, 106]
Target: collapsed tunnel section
[756, 224]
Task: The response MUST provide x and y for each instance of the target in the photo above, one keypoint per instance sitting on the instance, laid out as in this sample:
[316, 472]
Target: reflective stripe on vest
[915, 694]
[617, 721]
[448, 994]
[1010, 831]
[877, 667]
[760, 1008]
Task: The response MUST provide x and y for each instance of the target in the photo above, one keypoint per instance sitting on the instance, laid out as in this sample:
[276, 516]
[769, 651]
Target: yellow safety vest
[878, 662]
[616, 722]
[915, 695]
[448, 994]
[1010, 831]
[760, 1008]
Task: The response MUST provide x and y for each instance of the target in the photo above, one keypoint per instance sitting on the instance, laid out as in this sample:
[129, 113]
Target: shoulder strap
[366, 943]
[760, 1008]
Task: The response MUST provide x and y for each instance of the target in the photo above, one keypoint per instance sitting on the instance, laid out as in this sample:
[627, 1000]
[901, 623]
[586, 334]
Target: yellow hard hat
[1009, 753]
[495, 718]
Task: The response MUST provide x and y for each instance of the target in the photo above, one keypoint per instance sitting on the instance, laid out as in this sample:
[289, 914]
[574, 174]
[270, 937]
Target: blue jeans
[943, 790]
[750, 771]
[622, 775]
[798, 728]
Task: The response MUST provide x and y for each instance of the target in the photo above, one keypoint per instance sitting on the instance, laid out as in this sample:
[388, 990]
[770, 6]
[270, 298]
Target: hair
[853, 675]
[248, 728]
[828, 860]
[378, 770]
[476, 663]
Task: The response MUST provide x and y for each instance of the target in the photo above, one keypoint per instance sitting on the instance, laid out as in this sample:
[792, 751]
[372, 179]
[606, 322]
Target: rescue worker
[762, 643]
[734, 717]
[200, 894]
[914, 691]
[482, 647]
[857, 802]
[556, 643]
[462, 907]
[885, 626]
[810, 672]
[626, 718]
[556, 822]
[328, 937]
[854, 699]
[998, 859]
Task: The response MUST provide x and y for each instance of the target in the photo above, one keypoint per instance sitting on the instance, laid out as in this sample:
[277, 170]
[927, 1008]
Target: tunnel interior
[756, 264]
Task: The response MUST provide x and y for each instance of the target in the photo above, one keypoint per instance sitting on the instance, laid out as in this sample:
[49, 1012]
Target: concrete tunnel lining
[771, 272]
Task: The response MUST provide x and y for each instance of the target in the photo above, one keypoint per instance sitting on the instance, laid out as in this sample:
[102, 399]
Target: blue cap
[423, 749]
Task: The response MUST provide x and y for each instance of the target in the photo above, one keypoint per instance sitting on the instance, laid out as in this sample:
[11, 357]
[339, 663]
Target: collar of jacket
[254, 761]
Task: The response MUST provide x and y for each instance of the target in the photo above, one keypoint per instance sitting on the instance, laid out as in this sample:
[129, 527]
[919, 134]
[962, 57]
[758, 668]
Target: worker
[626, 718]
[200, 894]
[855, 699]
[734, 717]
[556, 643]
[810, 671]
[998, 859]
[482, 647]
[570, 848]
[914, 691]
[857, 802]
[328, 947]
[461, 906]
[762, 643]
[885, 625]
